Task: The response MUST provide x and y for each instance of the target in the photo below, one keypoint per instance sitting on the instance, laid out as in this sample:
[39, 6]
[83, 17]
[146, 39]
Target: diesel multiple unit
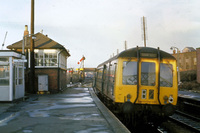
[140, 82]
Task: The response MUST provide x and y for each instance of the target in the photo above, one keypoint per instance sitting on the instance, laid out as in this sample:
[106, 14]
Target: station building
[50, 63]
[198, 65]
[189, 60]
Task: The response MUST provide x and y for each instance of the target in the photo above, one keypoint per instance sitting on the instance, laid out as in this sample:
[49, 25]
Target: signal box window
[47, 57]
[148, 76]
[129, 73]
[166, 75]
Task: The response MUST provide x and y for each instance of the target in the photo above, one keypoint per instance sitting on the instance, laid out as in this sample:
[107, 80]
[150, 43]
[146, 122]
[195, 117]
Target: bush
[193, 85]
[188, 76]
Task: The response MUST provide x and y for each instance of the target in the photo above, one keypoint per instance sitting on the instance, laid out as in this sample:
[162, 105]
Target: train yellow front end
[149, 91]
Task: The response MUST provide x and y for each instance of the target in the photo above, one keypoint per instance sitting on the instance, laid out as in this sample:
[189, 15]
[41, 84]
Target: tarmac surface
[75, 110]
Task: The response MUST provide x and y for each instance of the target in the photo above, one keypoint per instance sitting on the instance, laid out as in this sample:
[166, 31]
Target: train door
[112, 73]
[148, 86]
[105, 79]
[99, 79]
[108, 78]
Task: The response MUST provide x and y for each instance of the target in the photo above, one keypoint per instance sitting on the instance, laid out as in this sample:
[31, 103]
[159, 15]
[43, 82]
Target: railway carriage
[140, 82]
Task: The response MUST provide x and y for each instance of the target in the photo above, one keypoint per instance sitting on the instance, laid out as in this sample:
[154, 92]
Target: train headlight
[128, 97]
[165, 99]
[171, 99]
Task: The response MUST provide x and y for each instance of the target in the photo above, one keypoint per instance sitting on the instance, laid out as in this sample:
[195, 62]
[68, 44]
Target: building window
[46, 57]
[195, 61]
[4, 71]
[187, 65]
[62, 62]
[186, 60]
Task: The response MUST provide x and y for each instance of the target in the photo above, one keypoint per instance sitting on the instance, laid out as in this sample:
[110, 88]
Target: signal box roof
[41, 42]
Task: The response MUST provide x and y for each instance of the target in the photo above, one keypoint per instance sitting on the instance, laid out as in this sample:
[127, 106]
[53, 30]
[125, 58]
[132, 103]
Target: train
[139, 83]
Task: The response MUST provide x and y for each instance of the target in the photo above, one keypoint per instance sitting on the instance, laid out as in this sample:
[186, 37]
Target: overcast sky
[97, 28]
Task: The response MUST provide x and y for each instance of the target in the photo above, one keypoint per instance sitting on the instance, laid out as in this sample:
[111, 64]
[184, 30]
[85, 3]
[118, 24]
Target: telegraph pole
[32, 60]
[125, 45]
[144, 30]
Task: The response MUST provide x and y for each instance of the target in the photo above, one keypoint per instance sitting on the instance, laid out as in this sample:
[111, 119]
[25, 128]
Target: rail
[186, 120]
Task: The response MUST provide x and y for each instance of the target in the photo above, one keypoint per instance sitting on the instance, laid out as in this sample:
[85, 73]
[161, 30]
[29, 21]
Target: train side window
[99, 74]
[129, 73]
[148, 75]
[166, 75]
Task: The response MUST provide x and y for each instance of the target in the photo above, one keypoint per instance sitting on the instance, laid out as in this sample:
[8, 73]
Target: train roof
[144, 52]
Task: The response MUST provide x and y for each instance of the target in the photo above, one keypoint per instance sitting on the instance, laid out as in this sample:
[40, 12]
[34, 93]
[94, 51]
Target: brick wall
[63, 79]
[187, 61]
[52, 78]
[198, 65]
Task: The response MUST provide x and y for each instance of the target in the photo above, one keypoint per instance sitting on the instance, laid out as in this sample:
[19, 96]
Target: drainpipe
[58, 55]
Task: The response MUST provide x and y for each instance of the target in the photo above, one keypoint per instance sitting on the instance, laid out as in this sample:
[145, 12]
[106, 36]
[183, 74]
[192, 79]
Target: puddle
[38, 113]
[44, 112]
[8, 118]
[85, 89]
[82, 116]
[27, 131]
[78, 95]
[69, 106]
[78, 100]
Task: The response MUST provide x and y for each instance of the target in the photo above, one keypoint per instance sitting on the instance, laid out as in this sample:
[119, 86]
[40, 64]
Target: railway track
[162, 130]
[190, 122]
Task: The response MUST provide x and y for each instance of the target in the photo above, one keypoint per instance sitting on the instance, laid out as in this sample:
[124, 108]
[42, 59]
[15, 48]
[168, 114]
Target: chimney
[26, 30]
[174, 51]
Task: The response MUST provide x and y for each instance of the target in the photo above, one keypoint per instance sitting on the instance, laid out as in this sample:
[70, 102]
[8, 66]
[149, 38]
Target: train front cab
[156, 92]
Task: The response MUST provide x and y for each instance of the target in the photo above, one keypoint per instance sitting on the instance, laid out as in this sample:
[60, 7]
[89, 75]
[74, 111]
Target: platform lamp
[173, 48]
[25, 40]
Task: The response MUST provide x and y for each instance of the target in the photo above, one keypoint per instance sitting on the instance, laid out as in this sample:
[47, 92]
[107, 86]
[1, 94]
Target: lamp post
[25, 39]
[32, 60]
[172, 48]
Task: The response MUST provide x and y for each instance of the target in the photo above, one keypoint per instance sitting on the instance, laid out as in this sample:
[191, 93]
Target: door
[148, 86]
[42, 82]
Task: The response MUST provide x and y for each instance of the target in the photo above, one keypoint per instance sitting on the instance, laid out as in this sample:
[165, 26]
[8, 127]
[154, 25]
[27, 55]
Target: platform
[75, 110]
[189, 95]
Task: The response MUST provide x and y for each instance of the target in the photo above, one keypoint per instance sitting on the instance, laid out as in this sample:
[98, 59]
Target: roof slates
[41, 42]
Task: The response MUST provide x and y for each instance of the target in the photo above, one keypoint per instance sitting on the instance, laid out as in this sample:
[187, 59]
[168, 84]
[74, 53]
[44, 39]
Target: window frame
[172, 74]
[128, 82]
[5, 67]
[154, 76]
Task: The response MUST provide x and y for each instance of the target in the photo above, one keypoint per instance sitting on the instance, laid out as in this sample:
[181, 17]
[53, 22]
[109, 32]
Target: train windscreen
[129, 73]
[166, 75]
[148, 74]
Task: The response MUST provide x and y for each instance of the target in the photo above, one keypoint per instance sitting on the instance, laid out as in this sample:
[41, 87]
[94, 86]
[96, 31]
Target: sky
[97, 28]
